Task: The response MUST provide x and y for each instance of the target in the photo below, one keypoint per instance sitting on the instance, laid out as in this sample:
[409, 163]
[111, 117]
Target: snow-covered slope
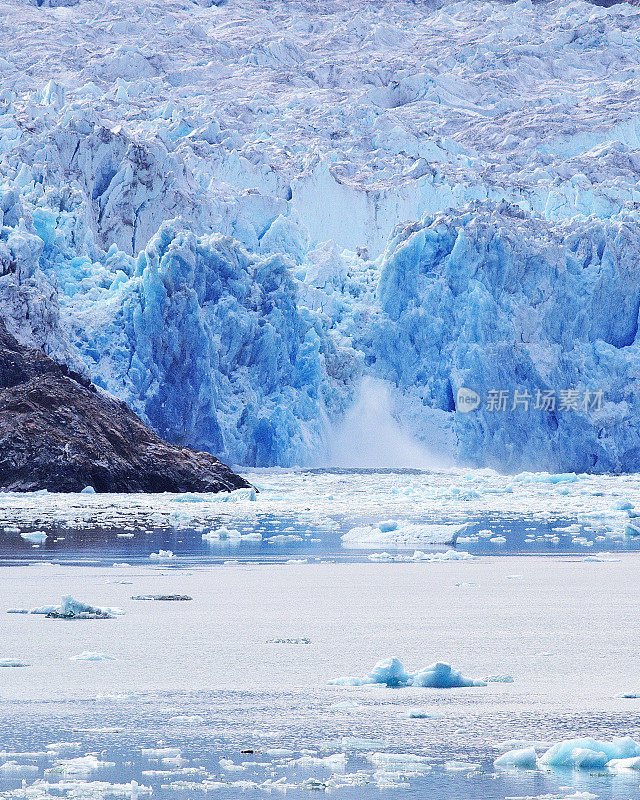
[200, 201]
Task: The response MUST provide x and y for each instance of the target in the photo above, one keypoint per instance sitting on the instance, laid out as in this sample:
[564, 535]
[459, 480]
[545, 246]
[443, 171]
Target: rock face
[58, 432]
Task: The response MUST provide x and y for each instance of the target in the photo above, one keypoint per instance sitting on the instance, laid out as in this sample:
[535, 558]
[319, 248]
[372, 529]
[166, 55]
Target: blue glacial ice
[391, 672]
[258, 280]
[524, 758]
[619, 755]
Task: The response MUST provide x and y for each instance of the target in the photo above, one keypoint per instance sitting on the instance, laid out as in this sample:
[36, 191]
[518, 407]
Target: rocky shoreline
[59, 432]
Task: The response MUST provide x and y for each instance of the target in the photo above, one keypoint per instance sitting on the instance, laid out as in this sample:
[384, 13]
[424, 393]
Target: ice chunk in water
[89, 655]
[587, 753]
[525, 758]
[35, 537]
[391, 672]
[442, 676]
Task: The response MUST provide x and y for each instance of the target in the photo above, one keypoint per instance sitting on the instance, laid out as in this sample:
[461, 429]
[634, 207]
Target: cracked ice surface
[289, 139]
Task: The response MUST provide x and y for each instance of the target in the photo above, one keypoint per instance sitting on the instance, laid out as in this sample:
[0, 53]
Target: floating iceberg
[442, 676]
[525, 758]
[402, 764]
[77, 767]
[622, 754]
[399, 534]
[624, 764]
[391, 672]
[162, 555]
[90, 655]
[35, 537]
[70, 608]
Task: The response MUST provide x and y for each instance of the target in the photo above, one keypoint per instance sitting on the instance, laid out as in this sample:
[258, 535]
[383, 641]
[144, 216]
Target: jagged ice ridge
[229, 215]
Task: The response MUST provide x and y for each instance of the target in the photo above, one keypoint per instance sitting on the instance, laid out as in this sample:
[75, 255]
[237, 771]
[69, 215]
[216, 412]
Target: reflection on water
[521, 535]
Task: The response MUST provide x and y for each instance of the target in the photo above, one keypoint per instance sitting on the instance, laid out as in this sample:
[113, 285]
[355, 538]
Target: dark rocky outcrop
[58, 432]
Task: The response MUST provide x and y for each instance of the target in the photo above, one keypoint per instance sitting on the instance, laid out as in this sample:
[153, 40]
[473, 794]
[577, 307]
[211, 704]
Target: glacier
[246, 225]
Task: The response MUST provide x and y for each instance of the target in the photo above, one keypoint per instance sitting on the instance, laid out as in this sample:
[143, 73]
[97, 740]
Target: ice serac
[493, 298]
[199, 222]
[58, 432]
[210, 345]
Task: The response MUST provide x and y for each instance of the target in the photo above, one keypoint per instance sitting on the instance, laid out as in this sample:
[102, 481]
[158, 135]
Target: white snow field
[256, 221]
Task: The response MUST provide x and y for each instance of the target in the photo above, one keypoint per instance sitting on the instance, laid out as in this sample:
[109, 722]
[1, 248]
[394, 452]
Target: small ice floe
[573, 529]
[77, 767]
[252, 536]
[90, 655]
[380, 557]
[525, 758]
[228, 766]
[70, 608]
[622, 505]
[498, 679]
[276, 752]
[399, 534]
[163, 597]
[601, 557]
[442, 676]
[391, 672]
[628, 696]
[497, 540]
[359, 743]
[301, 640]
[407, 764]
[586, 753]
[64, 747]
[335, 763]
[162, 555]
[35, 537]
[284, 538]
[461, 766]
[12, 662]
[421, 713]
[589, 753]
[624, 764]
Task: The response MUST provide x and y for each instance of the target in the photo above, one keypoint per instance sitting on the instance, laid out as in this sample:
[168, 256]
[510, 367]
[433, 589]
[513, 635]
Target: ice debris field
[252, 221]
[338, 515]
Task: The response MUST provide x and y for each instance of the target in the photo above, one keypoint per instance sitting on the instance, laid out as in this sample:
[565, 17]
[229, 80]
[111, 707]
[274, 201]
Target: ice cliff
[231, 215]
